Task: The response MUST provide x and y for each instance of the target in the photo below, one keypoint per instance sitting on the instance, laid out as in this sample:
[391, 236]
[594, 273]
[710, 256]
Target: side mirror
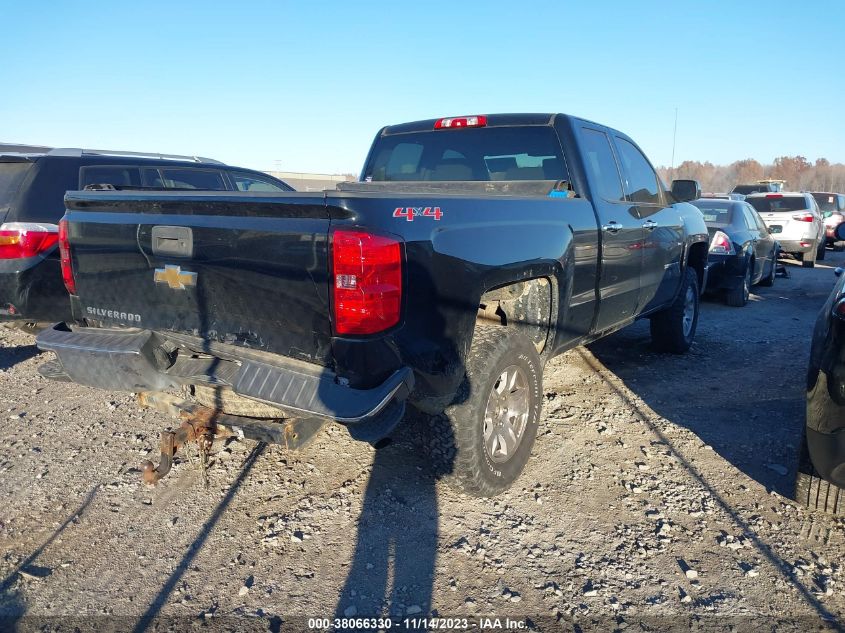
[839, 231]
[686, 190]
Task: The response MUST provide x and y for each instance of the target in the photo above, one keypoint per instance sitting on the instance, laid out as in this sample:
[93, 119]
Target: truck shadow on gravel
[12, 609]
[147, 620]
[11, 356]
[392, 569]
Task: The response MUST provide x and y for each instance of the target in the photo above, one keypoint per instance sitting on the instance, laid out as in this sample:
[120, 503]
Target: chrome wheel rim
[689, 311]
[506, 415]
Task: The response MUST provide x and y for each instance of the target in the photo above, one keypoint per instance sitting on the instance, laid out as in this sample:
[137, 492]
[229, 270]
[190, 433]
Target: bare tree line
[797, 171]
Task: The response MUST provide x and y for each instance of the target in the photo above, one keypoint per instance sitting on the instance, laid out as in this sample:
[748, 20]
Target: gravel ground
[657, 497]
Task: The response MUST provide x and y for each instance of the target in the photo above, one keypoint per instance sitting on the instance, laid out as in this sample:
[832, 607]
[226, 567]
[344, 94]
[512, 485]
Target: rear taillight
[721, 244]
[366, 282]
[26, 239]
[839, 309]
[67, 264]
[803, 217]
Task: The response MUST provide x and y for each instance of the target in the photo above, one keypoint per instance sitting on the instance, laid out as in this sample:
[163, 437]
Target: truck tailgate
[240, 268]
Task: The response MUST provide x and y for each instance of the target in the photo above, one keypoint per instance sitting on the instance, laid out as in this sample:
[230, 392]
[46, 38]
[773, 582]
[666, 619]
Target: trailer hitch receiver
[203, 425]
[198, 424]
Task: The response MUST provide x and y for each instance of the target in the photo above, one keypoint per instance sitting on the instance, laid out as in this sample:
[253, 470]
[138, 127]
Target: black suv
[760, 187]
[32, 190]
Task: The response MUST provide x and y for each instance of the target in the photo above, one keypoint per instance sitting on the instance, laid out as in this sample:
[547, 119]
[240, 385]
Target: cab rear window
[469, 154]
[11, 177]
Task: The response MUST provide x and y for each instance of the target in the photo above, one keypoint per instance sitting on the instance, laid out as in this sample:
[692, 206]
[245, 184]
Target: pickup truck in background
[472, 251]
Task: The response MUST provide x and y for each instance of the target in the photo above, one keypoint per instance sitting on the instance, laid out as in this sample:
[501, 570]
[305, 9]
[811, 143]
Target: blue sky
[305, 86]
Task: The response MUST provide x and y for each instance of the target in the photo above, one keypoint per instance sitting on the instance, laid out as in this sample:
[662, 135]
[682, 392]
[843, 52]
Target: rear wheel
[489, 431]
[673, 329]
[820, 252]
[808, 260]
[738, 297]
[814, 492]
[769, 280]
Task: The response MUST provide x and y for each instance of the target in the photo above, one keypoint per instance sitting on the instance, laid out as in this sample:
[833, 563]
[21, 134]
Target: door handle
[611, 227]
[649, 225]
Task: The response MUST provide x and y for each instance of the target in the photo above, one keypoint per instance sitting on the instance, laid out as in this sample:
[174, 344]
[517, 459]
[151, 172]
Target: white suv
[794, 220]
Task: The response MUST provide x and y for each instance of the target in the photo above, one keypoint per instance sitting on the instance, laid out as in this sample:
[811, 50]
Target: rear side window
[473, 154]
[109, 175]
[748, 214]
[774, 203]
[11, 177]
[177, 178]
[251, 182]
[599, 159]
[641, 178]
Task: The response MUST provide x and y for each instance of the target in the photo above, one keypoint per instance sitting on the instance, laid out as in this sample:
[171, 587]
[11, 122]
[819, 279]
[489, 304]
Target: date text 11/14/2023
[412, 623]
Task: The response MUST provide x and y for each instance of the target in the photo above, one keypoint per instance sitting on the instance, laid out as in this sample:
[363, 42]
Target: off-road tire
[814, 492]
[738, 297]
[227, 401]
[667, 329]
[458, 434]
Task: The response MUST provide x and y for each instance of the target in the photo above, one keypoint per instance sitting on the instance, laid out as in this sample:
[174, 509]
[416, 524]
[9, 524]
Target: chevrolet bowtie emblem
[175, 278]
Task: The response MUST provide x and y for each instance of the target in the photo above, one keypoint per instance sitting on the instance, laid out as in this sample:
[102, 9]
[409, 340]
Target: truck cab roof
[492, 120]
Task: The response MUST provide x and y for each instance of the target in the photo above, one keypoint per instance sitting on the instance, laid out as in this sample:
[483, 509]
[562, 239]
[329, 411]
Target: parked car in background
[832, 206]
[742, 251]
[724, 196]
[757, 187]
[32, 191]
[820, 479]
[795, 221]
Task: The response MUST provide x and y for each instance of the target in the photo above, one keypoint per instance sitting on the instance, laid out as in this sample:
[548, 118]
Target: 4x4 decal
[409, 213]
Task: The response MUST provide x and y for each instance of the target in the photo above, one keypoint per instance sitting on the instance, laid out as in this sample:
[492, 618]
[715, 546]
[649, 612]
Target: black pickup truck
[472, 251]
